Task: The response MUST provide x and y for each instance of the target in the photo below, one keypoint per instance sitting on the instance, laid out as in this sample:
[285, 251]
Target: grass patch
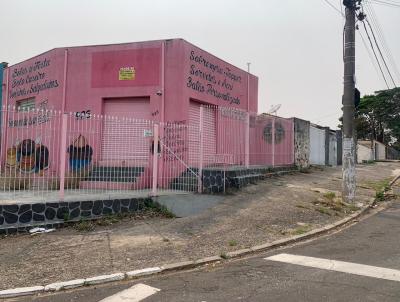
[150, 210]
[330, 195]
[381, 185]
[302, 206]
[84, 226]
[380, 196]
[301, 229]
[323, 210]
[232, 243]
[368, 162]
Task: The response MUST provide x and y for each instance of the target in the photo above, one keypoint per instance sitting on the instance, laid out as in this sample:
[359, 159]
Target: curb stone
[21, 291]
[186, 264]
[178, 265]
[104, 279]
[64, 285]
[208, 260]
[143, 272]
[238, 253]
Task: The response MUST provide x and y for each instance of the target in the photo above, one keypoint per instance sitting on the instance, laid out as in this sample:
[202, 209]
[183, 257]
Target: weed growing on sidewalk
[232, 243]
[330, 195]
[84, 226]
[301, 229]
[323, 210]
[150, 210]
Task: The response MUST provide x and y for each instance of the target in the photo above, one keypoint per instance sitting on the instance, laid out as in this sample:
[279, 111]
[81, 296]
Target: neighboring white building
[317, 146]
[365, 151]
[370, 150]
[380, 151]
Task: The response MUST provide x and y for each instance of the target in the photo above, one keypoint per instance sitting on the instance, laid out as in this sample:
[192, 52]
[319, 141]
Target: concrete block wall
[301, 143]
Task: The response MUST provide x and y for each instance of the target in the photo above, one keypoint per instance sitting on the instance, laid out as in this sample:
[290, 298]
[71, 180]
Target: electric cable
[376, 57]
[375, 23]
[380, 52]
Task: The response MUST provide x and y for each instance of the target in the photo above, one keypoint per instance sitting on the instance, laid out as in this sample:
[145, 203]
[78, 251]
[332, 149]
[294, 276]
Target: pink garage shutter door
[124, 125]
[209, 134]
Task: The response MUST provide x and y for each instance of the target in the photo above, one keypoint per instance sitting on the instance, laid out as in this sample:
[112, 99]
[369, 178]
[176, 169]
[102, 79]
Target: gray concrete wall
[332, 149]
[339, 138]
[327, 151]
[301, 143]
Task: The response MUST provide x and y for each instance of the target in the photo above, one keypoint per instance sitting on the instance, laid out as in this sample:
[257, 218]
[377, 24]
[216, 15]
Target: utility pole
[348, 167]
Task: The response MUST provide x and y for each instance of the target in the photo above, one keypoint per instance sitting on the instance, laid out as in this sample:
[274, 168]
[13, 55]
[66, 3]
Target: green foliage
[330, 195]
[378, 116]
[232, 242]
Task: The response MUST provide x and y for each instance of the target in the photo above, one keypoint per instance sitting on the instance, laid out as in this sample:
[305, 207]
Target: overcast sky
[294, 46]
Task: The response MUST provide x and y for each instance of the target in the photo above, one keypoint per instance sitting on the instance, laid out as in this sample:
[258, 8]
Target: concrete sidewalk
[273, 209]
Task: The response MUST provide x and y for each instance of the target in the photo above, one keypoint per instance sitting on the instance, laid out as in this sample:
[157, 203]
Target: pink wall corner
[176, 105]
[216, 82]
[41, 78]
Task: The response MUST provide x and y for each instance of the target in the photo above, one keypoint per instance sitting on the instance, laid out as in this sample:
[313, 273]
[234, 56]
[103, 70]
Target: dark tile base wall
[20, 216]
[214, 181]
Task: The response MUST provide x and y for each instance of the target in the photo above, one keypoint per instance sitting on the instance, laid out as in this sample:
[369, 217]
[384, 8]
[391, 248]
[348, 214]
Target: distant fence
[50, 153]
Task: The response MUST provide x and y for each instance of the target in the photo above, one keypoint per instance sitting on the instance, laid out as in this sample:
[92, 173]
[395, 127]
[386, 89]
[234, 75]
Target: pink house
[164, 81]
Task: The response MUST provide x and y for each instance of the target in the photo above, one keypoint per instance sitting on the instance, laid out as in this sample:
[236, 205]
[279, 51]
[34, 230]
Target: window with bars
[26, 105]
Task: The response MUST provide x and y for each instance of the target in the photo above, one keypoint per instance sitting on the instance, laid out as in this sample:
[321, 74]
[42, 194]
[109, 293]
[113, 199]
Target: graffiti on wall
[80, 153]
[28, 156]
[31, 80]
[31, 118]
[212, 79]
[84, 114]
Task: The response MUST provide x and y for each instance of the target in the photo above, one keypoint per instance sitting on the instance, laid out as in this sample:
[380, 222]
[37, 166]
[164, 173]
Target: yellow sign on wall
[127, 73]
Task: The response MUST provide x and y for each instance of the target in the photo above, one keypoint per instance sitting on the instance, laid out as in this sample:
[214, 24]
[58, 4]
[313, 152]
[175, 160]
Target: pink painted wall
[192, 73]
[92, 75]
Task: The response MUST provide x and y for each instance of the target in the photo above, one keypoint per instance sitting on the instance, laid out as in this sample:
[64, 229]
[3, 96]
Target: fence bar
[63, 151]
[201, 133]
[155, 159]
[273, 141]
[247, 141]
[4, 115]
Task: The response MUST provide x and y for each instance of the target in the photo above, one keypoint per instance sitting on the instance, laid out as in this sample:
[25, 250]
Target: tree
[378, 117]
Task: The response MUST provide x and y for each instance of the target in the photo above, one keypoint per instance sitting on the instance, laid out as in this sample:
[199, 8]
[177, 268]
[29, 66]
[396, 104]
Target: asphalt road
[374, 241]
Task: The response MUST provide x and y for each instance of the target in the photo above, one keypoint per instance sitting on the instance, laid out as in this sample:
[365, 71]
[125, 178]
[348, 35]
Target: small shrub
[66, 217]
[301, 206]
[380, 196]
[330, 195]
[84, 226]
[232, 243]
[301, 230]
[323, 210]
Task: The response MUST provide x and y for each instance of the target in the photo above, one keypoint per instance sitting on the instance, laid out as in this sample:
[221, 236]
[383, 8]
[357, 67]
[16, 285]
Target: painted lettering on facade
[175, 141]
[213, 79]
[31, 80]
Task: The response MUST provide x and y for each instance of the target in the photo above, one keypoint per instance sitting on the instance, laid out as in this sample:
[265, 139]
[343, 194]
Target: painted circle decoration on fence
[279, 132]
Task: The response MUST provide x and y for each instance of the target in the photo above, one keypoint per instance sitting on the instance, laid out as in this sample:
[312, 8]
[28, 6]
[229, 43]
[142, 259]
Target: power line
[371, 58]
[381, 37]
[386, 3]
[334, 7]
[380, 52]
[376, 57]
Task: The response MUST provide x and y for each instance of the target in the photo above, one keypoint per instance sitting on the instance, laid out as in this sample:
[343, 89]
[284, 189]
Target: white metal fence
[51, 155]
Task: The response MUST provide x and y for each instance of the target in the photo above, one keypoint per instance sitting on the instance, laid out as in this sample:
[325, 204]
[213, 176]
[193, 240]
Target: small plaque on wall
[127, 73]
